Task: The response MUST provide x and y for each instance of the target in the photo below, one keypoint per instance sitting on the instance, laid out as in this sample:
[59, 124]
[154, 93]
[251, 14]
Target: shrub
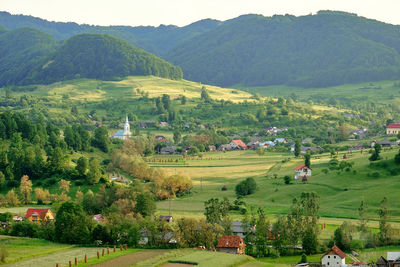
[224, 188]
[246, 187]
[286, 179]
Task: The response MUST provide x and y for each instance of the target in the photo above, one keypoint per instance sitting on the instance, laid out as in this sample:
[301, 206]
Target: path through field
[52, 259]
[130, 259]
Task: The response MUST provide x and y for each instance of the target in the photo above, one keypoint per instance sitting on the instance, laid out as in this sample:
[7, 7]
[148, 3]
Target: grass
[387, 94]
[21, 248]
[203, 258]
[340, 191]
[112, 255]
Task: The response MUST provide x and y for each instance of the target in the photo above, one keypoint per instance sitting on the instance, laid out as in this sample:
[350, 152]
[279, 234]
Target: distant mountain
[325, 49]
[101, 56]
[20, 51]
[320, 50]
[156, 40]
[28, 56]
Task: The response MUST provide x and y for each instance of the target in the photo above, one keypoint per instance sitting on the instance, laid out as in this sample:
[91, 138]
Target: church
[125, 133]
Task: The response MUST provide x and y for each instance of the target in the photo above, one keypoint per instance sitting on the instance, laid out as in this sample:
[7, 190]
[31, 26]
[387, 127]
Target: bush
[246, 187]
[286, 179]
[183, 262]
[224, 188]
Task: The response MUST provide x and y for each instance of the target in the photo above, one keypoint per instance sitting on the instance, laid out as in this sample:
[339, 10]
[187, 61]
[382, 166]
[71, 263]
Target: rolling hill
[326, 49]
[29, 56]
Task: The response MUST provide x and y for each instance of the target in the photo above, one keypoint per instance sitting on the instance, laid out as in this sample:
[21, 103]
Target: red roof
[39, 212]
[301, 166]
[394, 125]
[239, 143]
[337, 251]
[230, 241]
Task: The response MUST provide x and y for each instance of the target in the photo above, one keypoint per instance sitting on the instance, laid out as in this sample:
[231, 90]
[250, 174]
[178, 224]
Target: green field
[382, 92]
[340, 191]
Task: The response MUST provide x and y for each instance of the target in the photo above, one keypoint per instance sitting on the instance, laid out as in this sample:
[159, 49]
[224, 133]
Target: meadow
[340, 191]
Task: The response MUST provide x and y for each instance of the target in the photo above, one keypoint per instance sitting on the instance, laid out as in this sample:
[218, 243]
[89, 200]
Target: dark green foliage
[287, 179]
[375, 153]
[71, 225]
[6, 217]
[246, 187]
[310, 241]
[101, 56]
[303, 258]
[297, 147]
[101, 139]
[307, 160]
[397, 158]
[216, 210]
[25, 228]
[145, 204]
[342, 238]
[82, 166]
[309, 51]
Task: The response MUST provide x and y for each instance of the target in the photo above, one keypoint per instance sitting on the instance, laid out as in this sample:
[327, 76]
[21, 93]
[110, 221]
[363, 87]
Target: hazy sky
[183, 12]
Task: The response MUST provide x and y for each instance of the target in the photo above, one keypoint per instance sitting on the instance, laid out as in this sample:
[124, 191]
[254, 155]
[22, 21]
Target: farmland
[340, 191]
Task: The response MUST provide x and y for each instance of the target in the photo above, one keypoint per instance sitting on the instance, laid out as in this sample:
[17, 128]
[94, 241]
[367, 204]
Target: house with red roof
[231, 244]
[39, 215]
[393, 128]
[333, 258]
[98, 218]
[302, 171]
[238, 144]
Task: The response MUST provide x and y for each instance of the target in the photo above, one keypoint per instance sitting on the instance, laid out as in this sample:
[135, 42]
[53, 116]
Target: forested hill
[28, 56]
[326, 49]
[20, 51]
[101, 56]
[329, 48]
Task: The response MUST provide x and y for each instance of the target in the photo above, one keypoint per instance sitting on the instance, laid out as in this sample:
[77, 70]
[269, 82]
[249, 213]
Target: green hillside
[101, 57]
[325, 49]
[20, 51]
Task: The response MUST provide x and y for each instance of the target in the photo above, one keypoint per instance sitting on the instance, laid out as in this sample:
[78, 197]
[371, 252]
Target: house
[307, 140]
[125, 133]
[168, 150]
[98, 218]
[163, 124]
[382, 262]
[265, 144]
[301, 171]
[384, 143]
[143, 125]
[238, 228]
[280, 141]
[393, 257]
[333, 258]
[231, 244]
[238, 144]
[17, 218]
[39, 215]
[160, 138]
[212, 148]
[225, 147]
[393, 128]
[163, 218]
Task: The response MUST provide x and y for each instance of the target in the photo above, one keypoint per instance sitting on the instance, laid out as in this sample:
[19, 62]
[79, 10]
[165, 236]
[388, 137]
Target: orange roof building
[302, 171]
[39, 215]
[231, 244]
[238, 144]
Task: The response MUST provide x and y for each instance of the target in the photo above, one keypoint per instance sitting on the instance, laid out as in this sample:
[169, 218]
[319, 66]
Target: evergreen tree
[101, 139]
[307, 160]
[94, 173]
[297, 148]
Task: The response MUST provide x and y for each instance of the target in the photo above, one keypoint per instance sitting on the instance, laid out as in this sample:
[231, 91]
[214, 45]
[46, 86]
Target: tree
[94, 173]
[375, 154]
[215, 210]
[385, 235]
[100, 139]
[166, 101]
[342, 238]
[246, 187]
[362, 216]
[71, 225]
[287, 179]
[307, 160]
[145, 204]
[64, 186]
[397, 158]
[204, 95]
[183, 100]
[12, 198]
[26, 189]
[2, 179]
[82, 166]
[177, 136]
[297, 147]
[262, 235]
[310, 241]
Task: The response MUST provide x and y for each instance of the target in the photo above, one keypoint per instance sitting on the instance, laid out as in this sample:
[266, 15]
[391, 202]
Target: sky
[184, 12]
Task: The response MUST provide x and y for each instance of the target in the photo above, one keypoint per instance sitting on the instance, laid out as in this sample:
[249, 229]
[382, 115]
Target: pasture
[340, 191]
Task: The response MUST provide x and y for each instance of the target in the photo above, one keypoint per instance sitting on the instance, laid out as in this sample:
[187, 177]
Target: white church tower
[125, 133]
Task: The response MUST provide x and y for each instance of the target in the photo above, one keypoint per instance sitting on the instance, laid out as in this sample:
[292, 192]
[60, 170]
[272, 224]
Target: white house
[334, 258]
[125, 133]
[301, 171]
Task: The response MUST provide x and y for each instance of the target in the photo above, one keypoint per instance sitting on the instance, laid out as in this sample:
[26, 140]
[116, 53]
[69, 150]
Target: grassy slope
[94, 90]
[387, 94]
[340, 192]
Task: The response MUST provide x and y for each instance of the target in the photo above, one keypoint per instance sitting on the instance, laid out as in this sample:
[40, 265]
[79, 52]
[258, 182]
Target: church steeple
[127, 128]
